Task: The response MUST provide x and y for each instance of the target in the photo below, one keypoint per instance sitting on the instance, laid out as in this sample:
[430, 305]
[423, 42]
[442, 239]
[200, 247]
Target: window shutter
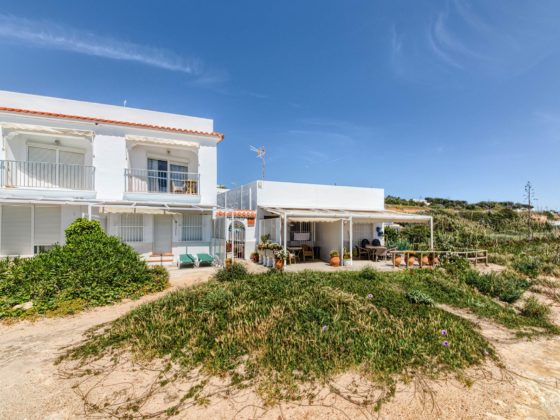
[47, 225]
[71, 158]
[41, 154]
[16, 230]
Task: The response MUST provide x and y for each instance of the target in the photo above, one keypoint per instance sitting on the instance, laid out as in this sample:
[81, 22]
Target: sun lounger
[205, 260]
[186, 260]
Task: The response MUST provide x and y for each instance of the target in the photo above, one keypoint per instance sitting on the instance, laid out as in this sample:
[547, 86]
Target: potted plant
[335, 258]
[425, 259]
[228, 263]
[411, 259]
[433, 259]
[346, 258]
[398, 260]
[280, 255]
[255, 257]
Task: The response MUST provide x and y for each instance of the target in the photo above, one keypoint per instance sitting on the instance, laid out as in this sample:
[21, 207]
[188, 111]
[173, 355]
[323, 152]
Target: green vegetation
[534, 309]
[281, 331]
[91, 269]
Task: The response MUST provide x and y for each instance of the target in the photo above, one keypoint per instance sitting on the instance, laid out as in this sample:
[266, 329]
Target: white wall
[109, 159]
[328, 238]
[102, 111]
[208, 169]
[293, 195]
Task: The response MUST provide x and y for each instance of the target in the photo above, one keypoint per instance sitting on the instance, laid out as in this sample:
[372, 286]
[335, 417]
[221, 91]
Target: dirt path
[29, 383]
[528, 387]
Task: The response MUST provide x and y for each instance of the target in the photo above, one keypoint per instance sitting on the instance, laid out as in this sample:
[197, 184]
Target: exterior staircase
[165, 259]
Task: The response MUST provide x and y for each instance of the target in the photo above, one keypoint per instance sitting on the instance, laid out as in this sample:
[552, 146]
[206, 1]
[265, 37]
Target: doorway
[163, 234]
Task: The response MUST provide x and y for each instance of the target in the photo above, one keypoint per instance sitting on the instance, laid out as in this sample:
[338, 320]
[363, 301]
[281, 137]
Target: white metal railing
[46, 175]
[158, 181]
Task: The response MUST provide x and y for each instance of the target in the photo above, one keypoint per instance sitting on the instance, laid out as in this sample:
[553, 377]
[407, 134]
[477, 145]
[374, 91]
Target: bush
[507, 287]
[418, 297]
[534, 309]
[530, 266]
[369, 273]
[236, 271]
[92, 268]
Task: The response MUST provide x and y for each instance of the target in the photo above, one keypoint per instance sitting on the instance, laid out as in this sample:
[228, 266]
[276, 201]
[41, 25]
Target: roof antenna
[124, 103]
[261, 152]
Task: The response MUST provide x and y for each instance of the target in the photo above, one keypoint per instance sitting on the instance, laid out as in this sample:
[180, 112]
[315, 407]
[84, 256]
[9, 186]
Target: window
[192, 227]
[16, 230]
[164, 176]
[131, 228]
[46, 225]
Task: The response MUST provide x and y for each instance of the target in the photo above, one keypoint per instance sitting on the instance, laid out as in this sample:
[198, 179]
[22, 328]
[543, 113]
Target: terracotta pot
[228, 263]
[411, 260]
[279, 264]
[425, 260]
[435, 261]
[335, 261]
[255, 258]
[398, 260]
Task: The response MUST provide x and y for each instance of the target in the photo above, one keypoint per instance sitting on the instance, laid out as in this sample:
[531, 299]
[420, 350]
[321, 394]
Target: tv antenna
[261, 152]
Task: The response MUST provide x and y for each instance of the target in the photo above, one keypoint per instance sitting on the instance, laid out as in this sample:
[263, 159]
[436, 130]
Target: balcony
[161, 182]
[48, 176]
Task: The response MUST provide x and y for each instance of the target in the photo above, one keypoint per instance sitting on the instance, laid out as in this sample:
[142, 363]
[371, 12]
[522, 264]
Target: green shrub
[369, 273]
[236, 271]
[419, 297]
[92, 268]
[506, 286]
[530, 266]
[455, 266]
[534, 309]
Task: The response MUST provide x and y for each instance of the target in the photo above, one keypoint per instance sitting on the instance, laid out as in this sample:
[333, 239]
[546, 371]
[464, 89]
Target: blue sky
[457, 99]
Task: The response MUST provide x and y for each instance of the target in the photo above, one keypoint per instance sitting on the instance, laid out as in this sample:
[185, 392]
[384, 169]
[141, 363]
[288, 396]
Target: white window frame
[190, 231]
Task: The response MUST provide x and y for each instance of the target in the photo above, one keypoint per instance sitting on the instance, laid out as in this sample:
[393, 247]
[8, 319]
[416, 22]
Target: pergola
[350, 216]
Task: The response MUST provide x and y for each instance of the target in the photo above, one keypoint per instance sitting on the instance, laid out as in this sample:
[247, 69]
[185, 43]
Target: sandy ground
[31, 386]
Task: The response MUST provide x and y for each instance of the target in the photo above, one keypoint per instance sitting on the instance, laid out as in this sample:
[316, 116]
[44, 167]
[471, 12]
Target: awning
[161, 141]
[134, 210]
[42, 129]
[333, 215]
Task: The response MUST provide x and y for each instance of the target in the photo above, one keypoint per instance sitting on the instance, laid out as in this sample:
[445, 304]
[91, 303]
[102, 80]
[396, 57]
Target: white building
[322, 217]
[148, 177]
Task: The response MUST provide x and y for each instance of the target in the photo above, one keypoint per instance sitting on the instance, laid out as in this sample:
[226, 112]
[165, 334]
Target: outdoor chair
[177, 187]
[362, 250]
[381, 253]
[376, 242]
[186, 260]
[307, 251]
[205, 260]
[293, 258]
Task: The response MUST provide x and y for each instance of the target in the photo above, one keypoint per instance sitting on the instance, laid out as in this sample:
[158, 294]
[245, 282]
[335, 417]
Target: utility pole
[529, 196]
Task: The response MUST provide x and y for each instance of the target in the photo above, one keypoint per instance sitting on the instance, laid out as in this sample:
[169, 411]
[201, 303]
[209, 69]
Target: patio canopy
[334, 215]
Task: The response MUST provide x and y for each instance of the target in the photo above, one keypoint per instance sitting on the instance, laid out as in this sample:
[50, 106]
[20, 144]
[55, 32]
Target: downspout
[431, 233]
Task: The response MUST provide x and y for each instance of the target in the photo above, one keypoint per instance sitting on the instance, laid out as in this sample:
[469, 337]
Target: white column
[350, 243]
[341, 239]
[285, 233]
[431, 233]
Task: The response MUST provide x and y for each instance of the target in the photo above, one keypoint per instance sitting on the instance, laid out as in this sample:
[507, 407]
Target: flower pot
[411, 260]
[228, 263]
[398, 260]
[346, 263]
[255, 258]
[434, 260]
[335, 261]
[425, 260]
[279, 264]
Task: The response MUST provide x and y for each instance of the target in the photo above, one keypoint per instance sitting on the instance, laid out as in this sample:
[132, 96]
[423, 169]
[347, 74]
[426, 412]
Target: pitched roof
[219, 136]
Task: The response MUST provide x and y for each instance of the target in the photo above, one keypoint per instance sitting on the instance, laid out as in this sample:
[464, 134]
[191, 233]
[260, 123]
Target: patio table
[371, 250]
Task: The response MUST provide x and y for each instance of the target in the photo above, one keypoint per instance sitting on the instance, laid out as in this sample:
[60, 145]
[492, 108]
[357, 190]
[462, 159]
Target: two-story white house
[148, 177]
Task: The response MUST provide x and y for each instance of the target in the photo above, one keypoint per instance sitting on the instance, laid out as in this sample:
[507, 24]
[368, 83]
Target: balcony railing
[43, 175]
[157, 181]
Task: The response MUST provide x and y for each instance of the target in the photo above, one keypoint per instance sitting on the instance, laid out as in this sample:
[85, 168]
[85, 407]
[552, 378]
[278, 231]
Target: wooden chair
[293, 258]
[307, 251]
[381, 253]
[362, 250]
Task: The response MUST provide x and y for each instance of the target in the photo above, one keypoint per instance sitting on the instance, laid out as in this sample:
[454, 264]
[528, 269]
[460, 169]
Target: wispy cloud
[51, 35]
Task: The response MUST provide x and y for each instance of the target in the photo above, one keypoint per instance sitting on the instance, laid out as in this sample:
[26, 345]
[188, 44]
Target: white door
[163, 226]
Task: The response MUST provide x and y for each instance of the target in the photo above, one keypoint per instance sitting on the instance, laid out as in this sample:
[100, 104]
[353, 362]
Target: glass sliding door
[157, 175]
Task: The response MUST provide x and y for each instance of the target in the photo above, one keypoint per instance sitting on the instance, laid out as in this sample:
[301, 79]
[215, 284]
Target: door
[162, 234]
[237, 239]
[157, 175]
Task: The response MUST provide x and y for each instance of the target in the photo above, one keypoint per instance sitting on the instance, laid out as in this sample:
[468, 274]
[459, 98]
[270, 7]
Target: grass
[281, 331]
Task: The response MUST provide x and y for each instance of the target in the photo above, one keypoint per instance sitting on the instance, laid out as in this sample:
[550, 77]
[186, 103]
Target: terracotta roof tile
[220, 136]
